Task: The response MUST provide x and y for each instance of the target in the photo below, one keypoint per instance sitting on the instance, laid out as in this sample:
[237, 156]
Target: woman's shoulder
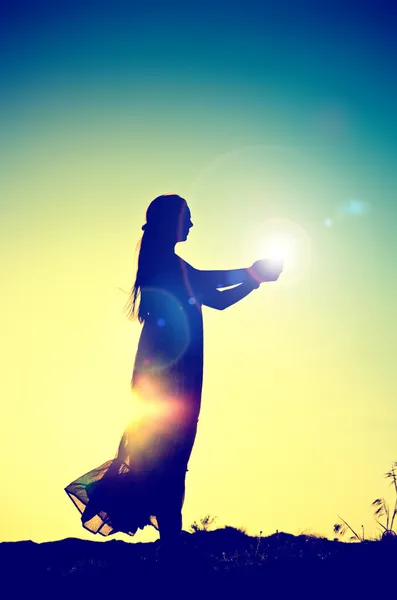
[184, 264]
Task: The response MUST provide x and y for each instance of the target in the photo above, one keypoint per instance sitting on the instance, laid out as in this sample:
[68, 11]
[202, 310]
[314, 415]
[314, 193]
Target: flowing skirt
[147, 476]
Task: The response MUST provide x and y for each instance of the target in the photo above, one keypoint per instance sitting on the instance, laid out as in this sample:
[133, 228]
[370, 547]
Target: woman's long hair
[164, 217]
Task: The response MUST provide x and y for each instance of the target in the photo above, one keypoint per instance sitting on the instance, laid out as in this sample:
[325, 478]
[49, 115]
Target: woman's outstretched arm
[261, 270]
[225, 298]
[205, 283]
[222, 279]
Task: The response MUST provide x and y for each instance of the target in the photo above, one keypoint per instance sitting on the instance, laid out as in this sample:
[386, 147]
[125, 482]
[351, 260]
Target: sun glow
[279, 247]
[158, 408]
[286, 242]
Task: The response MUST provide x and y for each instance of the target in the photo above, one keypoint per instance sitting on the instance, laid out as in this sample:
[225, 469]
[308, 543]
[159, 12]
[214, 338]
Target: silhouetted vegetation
[204, 524]
[382, 510]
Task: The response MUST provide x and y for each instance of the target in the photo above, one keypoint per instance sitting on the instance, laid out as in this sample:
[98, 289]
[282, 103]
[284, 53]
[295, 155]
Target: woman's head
[168, 219]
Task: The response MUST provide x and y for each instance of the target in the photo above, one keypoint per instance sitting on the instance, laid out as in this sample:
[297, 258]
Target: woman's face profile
[169, 219]
[185, 224]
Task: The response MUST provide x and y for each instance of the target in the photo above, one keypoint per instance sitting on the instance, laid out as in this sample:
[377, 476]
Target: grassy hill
[225, 563]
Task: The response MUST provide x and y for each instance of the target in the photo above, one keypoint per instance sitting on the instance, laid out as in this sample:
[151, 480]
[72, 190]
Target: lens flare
[156, 418]
[166, 312]
[352, 208]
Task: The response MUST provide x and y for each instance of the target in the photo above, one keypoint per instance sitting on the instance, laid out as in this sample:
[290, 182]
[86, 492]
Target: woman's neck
[168, 248]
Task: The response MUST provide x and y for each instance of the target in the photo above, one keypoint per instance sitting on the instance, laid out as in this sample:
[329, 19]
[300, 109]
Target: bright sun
[279, 246]
[286, 241]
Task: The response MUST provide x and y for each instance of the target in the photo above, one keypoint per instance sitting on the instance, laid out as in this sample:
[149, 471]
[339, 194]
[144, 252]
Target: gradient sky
[262, 115]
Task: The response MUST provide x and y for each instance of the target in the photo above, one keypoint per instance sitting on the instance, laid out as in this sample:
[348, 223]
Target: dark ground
[224, 563]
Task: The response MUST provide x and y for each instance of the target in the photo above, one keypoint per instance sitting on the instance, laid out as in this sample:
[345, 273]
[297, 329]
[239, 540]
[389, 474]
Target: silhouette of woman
[145, 483]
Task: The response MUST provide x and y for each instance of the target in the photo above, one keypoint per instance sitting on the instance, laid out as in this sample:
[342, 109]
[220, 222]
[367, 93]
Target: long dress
[148, 472]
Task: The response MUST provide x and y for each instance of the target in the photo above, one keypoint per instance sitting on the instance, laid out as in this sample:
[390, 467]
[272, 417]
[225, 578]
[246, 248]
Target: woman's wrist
[251, 279]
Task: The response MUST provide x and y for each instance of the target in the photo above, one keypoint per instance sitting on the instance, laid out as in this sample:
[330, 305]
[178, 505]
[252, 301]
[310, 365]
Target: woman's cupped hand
[266, 270]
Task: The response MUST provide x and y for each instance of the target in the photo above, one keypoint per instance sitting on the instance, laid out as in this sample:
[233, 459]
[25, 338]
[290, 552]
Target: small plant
[341, 528]
[204, 524]
[381, 510]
